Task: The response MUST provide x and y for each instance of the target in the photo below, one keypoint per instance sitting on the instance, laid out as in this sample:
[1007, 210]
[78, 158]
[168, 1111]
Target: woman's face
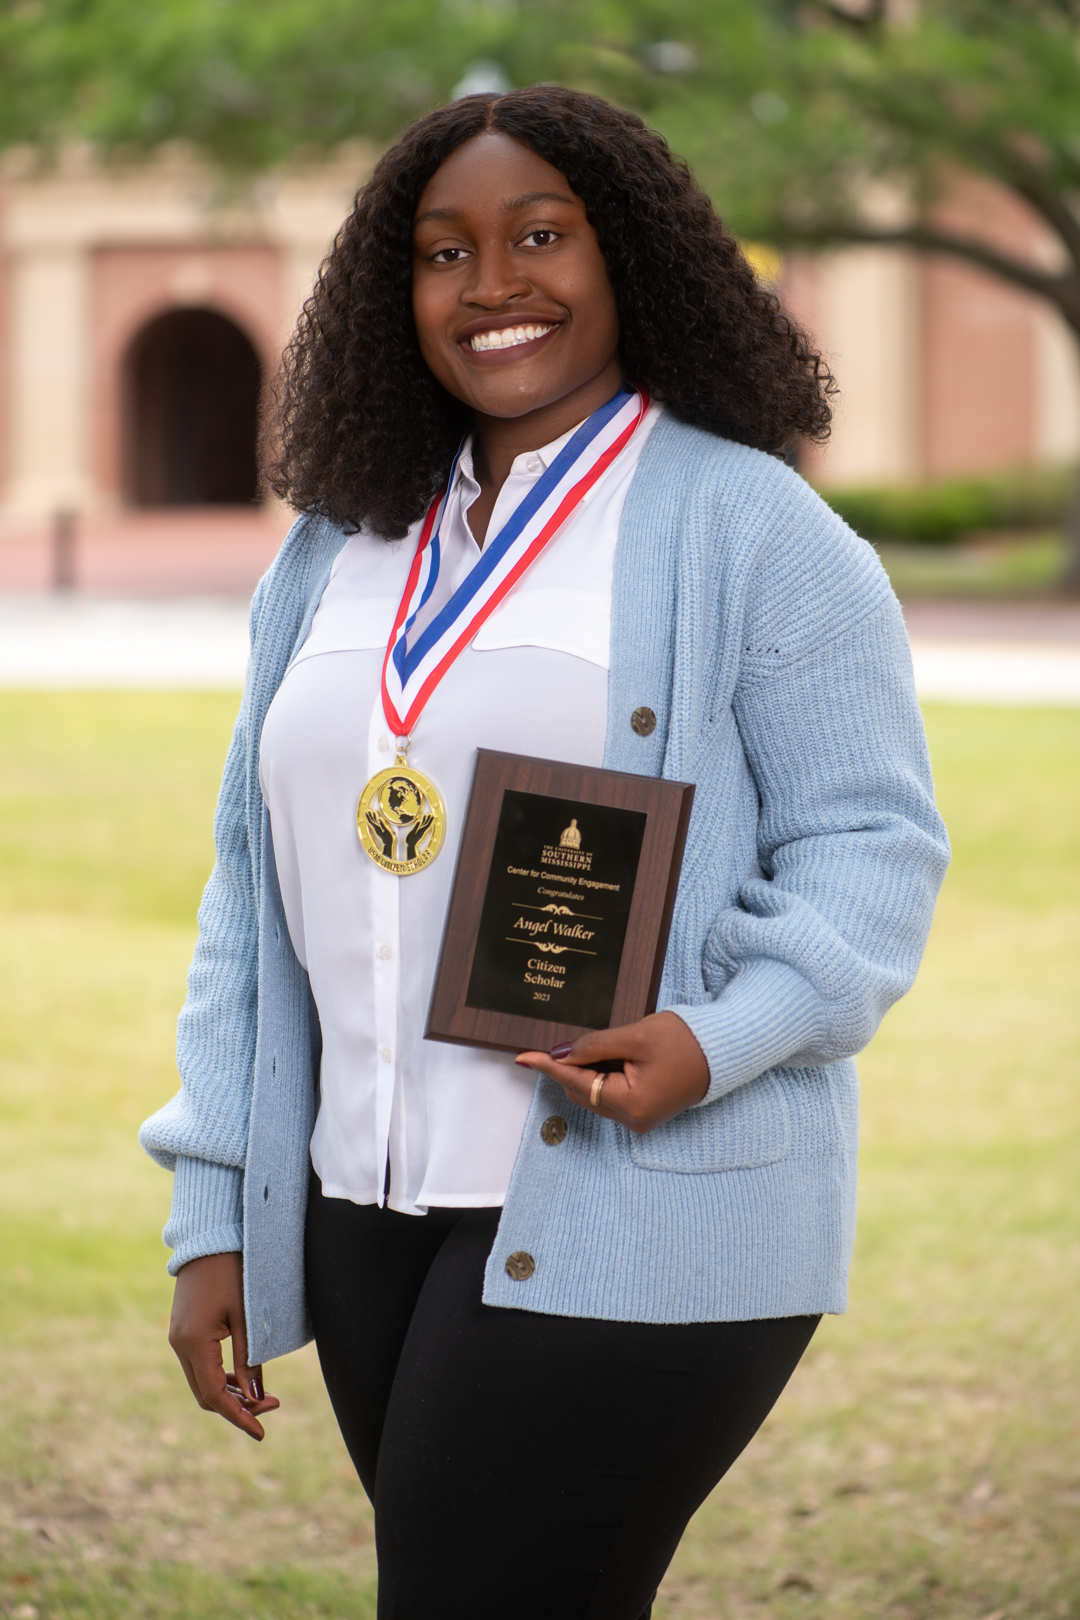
[513, 306]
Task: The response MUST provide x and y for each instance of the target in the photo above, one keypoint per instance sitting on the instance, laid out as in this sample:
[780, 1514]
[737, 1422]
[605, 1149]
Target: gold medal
[400, 818]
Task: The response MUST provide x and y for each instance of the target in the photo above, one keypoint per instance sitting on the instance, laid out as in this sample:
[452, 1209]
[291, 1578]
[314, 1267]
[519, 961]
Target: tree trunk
[1070, 579]
[1069, 582]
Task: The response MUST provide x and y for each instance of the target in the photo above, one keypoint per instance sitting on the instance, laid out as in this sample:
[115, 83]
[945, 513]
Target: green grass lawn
[925, 1461]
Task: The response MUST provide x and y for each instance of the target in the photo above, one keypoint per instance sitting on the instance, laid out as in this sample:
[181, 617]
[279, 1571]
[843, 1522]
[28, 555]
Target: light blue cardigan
[765, 637]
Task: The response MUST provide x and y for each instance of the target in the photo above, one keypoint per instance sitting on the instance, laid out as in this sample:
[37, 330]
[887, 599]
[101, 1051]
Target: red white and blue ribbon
[411, 673]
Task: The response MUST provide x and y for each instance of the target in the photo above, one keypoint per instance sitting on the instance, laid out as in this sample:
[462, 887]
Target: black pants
[522, 1467]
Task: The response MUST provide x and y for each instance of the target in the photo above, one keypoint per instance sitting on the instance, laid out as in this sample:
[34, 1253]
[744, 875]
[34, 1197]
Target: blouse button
[643, 721]
[384, 745]
[386, 1054]
[520, 1266]
[385, 952]
[553, 1130]
[533, 464]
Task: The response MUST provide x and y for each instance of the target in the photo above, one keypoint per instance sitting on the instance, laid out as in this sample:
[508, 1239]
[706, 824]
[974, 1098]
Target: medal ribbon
[410, 675]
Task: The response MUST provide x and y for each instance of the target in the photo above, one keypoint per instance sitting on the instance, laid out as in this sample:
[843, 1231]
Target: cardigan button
[553, 1130]
[520, 1266]
[643, 721]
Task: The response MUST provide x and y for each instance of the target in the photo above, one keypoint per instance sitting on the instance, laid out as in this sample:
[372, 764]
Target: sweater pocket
[749, 1127]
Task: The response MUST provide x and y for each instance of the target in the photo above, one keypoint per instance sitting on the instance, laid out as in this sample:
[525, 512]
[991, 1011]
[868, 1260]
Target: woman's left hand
[662, 1070]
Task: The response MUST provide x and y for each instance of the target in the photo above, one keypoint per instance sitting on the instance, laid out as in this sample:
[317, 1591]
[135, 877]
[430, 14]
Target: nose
[496, 278]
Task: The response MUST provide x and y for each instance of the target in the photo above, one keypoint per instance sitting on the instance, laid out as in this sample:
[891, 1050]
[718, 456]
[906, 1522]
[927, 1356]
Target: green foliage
[992, 84]
[935, 513]
[252, 81]
[248, 81]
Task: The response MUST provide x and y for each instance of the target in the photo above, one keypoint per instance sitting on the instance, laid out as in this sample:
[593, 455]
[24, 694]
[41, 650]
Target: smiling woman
[556, 1296]
[514, 311]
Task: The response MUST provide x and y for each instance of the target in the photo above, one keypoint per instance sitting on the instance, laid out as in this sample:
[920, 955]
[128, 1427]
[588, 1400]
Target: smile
[508, 337]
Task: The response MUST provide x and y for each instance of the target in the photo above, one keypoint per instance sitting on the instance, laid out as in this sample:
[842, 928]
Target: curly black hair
[364, 433]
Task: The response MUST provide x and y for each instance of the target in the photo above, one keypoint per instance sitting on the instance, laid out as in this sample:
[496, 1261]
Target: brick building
[943, 368]
[141, 306]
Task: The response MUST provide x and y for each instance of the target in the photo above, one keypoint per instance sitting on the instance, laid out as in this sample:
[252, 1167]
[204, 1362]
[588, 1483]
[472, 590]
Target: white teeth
[506, 337]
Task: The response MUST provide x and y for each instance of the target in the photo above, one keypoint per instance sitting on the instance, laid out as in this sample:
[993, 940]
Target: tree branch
[1064, 291]
[860, 20]
[1027, 180]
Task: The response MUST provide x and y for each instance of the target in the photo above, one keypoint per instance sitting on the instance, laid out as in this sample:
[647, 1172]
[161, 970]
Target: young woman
[535, 420]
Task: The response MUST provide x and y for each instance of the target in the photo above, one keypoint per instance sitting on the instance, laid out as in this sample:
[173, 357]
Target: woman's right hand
[208, 1306]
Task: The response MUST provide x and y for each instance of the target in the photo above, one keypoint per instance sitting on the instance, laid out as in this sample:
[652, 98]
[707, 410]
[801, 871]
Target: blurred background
[906, 175]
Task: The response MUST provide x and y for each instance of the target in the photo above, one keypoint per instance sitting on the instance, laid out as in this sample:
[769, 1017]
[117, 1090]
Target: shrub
[937, 513]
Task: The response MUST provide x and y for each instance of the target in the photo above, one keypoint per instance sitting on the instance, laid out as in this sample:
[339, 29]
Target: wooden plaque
[561, 904]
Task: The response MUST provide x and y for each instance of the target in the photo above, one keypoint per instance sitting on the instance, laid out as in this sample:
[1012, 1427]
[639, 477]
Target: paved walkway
[963, 652]
[1033, 622]
[64, 641]
[996, 652]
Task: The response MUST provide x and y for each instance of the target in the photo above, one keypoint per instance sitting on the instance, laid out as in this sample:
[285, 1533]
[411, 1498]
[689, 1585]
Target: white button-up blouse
[447, 1120]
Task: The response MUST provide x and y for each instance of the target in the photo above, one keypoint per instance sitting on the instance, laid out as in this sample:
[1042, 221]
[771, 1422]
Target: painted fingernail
[256, 1387]
[561, 1051]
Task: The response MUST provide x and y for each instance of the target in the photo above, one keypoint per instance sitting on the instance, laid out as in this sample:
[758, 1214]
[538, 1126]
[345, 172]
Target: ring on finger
[597, 1088]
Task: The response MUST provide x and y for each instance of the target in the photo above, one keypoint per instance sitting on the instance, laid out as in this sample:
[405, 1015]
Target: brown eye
[542, 238]
[449, 256]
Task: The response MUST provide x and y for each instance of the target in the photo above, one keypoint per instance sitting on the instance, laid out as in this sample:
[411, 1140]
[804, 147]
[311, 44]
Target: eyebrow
[509, 205]
[530, 197]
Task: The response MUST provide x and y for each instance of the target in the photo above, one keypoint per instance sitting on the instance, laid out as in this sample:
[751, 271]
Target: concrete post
[50, 366]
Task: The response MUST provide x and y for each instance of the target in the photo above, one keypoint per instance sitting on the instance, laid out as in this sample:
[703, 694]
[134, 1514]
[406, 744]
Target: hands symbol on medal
[414, 837]
[381, 832]
[660, 1070]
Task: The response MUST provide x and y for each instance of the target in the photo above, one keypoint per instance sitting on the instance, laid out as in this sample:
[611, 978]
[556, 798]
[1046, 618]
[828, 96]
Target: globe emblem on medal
[401, 801]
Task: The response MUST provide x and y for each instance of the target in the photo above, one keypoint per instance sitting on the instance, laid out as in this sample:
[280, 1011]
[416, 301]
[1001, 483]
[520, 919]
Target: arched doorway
[192, 392]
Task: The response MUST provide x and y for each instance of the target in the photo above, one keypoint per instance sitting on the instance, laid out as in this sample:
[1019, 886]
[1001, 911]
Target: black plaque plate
[555, 912]
[561, 902]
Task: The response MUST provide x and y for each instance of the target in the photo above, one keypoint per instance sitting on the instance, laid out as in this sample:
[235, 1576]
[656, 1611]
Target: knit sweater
[764, 636]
